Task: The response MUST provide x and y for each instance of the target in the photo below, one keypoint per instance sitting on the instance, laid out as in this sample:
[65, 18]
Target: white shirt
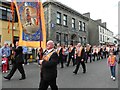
[48, 51]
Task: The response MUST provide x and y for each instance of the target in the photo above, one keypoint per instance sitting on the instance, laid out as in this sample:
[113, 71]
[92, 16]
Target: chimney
[99, 21]
[87, 14]
[104, 24]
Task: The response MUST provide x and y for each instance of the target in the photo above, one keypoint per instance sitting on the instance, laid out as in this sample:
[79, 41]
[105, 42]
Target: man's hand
[40, 62]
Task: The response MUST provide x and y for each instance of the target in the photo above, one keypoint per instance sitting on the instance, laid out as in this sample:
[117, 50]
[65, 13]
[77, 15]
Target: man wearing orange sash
[71, 55]
[60, 55]
[89, 52]
[95, 52]
[49, 68]
[80, 58]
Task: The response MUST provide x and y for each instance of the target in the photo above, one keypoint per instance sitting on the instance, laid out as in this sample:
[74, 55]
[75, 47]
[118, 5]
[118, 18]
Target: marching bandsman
[49, 68]
[95, 53]
[89, 52]
[80, 58]
[60, 54]
[99, 52]
[71, 55]
[104, 51]
[107, 50]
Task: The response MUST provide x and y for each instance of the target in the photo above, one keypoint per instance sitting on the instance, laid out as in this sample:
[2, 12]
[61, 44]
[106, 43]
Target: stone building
[98, 33]
[5, 13]
[65, 25]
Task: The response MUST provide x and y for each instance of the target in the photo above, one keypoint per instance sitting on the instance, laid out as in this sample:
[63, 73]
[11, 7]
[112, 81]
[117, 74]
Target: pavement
[97, 76]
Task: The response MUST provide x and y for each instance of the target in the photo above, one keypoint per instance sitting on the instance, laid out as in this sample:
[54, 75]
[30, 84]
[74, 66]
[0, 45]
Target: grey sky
[107, 10]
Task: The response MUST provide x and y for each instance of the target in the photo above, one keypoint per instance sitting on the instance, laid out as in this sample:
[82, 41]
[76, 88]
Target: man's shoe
[7, 78]
[84, 71]
[74, 72]
[22, 78]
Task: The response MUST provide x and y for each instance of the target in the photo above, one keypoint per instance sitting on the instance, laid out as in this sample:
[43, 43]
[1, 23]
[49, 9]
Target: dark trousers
[78, 65]
[99, 55]
[61, 60]
[104, 54]
[69, 59]
[14, 68]
[45, 83]
[25, 58]
[95, 55]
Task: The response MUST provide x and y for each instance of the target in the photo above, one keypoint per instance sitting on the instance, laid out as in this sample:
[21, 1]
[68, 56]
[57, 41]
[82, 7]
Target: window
[80, 39]
[100, 28]
[9, 15]
[5, 13]
[58, 37]
[100, 37]
[80, 25]
[83, 26]
[58, 18]
[73, 23]
[103, 38]
[65, 20]
[84, 40]
[66, 39]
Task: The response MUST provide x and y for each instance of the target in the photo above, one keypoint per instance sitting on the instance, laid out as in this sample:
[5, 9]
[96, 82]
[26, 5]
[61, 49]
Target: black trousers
[90, 55]
[78, 65]
[25, 58]
[69, 59]
[14, 68]
[45, 83]
[95, 55]
[61, 60]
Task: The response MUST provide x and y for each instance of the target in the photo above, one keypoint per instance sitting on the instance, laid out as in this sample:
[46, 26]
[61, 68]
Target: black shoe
[84, 71]
[62, 67]
[67, 65]
[75, 72]
[22, 78]
[7, 78]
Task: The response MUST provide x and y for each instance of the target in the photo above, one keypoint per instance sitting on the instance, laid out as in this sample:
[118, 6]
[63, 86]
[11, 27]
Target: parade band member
[60, 55]
[89, 52]
[71, 55]
[49, 68]
[95, 53]
[17, 64]
[80, 58]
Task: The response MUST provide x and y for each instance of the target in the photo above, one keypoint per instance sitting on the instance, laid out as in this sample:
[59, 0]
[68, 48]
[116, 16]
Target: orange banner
[31, 24]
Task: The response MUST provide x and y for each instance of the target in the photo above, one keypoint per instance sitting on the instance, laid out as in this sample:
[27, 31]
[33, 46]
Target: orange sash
[87, 48]
[79, 51]
[47, 57]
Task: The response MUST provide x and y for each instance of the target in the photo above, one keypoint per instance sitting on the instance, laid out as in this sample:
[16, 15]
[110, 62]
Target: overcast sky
[107, 10]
